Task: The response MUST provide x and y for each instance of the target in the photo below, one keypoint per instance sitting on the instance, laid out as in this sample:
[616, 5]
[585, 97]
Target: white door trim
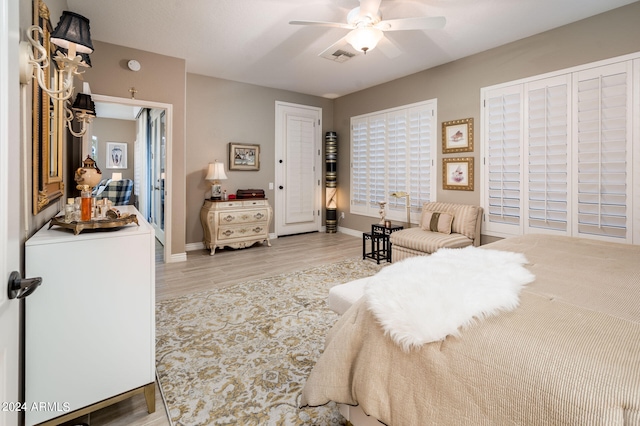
[169, 164]
[10, 207]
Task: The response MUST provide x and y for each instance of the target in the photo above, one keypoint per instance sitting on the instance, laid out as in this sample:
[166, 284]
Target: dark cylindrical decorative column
[331, 157]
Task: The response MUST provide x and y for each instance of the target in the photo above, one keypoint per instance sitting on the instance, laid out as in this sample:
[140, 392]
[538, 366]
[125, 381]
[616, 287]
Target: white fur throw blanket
[426, 298]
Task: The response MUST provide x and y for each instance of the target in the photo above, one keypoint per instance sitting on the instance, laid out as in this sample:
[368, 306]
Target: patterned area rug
[241, 354]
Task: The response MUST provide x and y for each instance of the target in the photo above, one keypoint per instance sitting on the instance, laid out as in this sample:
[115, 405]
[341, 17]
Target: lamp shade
[73, 28]
[364, 39]
[216, 172]
[85, 104]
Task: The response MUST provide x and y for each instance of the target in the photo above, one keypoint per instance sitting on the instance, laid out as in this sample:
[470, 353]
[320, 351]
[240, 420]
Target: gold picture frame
[244, 156]
[47, 124]
[457, 173]
[457, 136]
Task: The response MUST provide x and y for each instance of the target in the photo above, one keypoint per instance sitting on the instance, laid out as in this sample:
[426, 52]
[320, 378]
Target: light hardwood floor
[203, 272]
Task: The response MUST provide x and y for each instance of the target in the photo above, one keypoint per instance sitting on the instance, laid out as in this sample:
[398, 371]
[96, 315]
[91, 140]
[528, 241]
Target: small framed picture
[244, 157]
[457, 173]
[116, 155]
[457, 136]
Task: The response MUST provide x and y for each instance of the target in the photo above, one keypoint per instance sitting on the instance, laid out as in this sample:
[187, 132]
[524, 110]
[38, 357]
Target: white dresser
[235, 223]
[90, 326]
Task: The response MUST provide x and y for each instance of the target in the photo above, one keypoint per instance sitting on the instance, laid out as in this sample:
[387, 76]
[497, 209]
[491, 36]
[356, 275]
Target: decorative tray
[100, 224]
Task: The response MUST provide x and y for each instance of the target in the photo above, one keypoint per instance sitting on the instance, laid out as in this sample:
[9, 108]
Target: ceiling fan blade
[424, 23]
[389, 48]
[369, 8]
[323, 24]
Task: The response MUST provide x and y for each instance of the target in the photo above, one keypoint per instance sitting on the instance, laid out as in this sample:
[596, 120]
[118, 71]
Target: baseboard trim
[349, 231]
[194, 246]
[178, 257]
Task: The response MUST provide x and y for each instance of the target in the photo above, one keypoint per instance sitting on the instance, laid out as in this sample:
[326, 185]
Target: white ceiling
[251, 41]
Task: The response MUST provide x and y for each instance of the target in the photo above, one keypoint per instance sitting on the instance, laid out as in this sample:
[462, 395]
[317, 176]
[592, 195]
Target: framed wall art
[457, 173]
[244, 156]
[457, 136]
[116, 155]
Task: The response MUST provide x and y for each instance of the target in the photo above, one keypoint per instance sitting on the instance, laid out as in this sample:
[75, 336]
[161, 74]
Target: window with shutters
[392, 151]
[557, 153]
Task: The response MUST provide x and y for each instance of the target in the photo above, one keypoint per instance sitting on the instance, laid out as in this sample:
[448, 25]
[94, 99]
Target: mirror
[48, 125]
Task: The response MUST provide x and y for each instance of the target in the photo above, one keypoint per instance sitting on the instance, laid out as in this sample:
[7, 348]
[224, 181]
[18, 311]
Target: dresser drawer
[239, 204]
[244, 216]
[242, 231]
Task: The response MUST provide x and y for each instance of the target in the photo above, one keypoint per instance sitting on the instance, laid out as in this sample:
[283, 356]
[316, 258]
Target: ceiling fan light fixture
[364, 39]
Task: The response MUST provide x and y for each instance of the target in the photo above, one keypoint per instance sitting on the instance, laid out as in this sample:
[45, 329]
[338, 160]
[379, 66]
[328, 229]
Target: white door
[298, 169]
[9, 208]
[157, 171]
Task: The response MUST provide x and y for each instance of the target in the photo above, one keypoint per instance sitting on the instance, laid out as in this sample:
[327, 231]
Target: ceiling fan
[367, 26]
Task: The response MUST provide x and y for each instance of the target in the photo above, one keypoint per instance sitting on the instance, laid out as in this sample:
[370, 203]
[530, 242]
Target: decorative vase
[88, 175]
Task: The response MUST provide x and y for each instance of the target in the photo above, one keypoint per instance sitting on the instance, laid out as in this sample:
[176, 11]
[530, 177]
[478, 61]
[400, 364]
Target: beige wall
[161, 79]
[222, 111]
[112, 130]
[457, 86]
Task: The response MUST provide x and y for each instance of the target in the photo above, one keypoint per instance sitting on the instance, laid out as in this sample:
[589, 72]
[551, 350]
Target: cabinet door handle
[227, 232]
[258, 215]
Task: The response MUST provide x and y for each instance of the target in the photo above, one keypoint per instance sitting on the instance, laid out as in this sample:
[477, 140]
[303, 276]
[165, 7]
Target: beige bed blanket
[568, 355]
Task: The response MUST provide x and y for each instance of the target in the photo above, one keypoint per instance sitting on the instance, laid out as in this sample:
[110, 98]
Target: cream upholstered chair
[454, 226]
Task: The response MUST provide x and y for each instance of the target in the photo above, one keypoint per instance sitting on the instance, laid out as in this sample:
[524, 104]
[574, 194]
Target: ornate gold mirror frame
[48, 125]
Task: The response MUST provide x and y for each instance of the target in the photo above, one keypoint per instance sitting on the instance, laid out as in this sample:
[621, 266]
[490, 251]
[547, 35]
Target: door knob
[281, 187]
[20, 288]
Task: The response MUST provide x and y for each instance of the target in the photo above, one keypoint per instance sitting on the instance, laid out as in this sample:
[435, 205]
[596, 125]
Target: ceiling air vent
[339, 52]
[341, 56]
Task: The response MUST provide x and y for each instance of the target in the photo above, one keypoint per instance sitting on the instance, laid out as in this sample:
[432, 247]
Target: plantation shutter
[392, 151]
[548, 157]
[502, 180]
[376, 160]
[397, 159]
[421, 146]
[359, 185]
[602, 150]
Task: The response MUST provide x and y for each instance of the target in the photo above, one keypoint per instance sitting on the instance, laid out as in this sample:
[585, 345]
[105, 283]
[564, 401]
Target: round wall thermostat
[133, 65]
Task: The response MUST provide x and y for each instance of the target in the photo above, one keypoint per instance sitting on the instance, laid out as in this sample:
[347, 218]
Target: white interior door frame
[10, 167]
[169, 147]
[283, 112]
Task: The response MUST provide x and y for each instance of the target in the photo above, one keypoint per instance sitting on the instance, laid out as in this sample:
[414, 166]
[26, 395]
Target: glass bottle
[76, 209]
[68, 210]
[85, 204]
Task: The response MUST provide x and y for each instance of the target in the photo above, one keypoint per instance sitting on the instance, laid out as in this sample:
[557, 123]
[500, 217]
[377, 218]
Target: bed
[568, 354]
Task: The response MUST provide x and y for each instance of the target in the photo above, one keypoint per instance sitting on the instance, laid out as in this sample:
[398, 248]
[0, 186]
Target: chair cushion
[427, 241]
[436, 221]
[465, 216]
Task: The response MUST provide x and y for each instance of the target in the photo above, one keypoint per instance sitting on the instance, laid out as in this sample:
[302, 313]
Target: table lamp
[399, 194]
[215, 174]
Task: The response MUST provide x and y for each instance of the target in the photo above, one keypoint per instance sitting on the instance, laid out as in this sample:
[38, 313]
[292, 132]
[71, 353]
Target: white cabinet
[90, 326]
[235, 223]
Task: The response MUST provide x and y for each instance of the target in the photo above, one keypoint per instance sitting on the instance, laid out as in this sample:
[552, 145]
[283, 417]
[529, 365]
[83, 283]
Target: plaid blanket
[118, 191]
